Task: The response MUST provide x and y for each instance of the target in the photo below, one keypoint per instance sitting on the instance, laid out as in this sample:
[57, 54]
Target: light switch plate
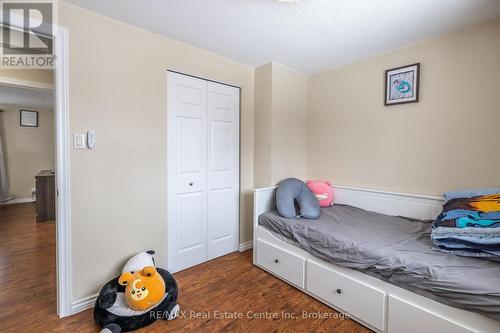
[79, 141]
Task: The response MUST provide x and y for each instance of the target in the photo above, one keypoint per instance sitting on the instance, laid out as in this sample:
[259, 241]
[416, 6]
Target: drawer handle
[191, 183]
[339, 291]
[276, 261]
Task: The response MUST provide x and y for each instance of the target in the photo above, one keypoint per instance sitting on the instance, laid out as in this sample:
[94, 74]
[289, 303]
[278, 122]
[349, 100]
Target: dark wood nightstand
[45, 196]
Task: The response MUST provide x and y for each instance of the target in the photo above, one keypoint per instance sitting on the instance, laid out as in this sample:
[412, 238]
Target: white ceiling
[310, 36]
[26, 98]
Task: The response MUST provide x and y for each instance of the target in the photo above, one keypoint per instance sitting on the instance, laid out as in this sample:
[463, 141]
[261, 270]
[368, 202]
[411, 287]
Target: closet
[202, 170]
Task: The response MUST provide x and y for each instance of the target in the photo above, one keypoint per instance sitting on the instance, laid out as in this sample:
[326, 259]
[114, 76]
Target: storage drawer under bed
[405, 317]
[284, 264]
[349, 295]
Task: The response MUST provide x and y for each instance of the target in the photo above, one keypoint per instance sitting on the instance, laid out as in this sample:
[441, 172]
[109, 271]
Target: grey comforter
[397, 250]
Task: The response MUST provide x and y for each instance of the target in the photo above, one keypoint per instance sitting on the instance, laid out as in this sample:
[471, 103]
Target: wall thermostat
[90, 139]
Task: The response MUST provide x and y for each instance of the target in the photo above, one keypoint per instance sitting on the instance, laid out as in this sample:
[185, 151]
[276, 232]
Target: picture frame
[402, 85]
[28, 118]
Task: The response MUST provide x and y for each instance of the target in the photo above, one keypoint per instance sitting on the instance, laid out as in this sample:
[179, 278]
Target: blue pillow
[470, 193]
[293, 190]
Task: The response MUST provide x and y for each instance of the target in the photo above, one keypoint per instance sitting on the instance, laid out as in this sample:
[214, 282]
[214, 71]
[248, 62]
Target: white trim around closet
[207, 184]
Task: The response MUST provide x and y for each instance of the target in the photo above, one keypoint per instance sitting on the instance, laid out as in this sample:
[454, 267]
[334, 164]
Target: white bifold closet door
[203, 170]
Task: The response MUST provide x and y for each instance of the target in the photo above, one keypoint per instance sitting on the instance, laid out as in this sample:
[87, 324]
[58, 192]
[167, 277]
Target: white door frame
[63, 202]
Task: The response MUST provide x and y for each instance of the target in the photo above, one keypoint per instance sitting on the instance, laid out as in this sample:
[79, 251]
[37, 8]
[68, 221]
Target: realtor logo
[27, 34]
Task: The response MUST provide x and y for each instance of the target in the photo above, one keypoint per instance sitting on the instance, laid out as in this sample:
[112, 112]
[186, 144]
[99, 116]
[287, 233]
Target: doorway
[60, 88]
[203, 145]
[28, 192]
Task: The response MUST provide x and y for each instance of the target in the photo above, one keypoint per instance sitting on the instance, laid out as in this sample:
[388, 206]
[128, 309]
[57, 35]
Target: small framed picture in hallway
[28, 118]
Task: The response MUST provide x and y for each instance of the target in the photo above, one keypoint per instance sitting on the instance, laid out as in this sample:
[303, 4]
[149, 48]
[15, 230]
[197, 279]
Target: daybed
[380, 269]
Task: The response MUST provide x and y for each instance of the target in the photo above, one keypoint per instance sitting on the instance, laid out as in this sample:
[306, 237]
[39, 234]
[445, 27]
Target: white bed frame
[374, 303]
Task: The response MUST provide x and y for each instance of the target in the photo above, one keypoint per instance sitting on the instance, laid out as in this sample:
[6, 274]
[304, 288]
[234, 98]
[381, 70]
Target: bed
[395, 249]
[379, 268]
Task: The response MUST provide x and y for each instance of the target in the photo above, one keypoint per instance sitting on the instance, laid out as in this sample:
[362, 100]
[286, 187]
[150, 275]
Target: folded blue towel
[456, 213]
[471, 242]
[469, 193]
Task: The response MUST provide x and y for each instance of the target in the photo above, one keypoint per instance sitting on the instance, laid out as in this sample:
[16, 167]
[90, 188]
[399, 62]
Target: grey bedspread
[397, 250]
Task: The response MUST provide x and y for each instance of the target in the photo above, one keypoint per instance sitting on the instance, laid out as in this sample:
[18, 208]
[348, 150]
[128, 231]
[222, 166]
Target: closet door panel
[223, 169]
[220, 208]
[187, 165]
[191, 156]
[190, 235]
[221, 154]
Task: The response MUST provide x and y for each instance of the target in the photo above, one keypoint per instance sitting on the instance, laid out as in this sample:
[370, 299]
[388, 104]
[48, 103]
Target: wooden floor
[226, 287]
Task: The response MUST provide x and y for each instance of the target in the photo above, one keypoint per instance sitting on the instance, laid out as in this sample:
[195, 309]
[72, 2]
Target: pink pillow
[322, 190]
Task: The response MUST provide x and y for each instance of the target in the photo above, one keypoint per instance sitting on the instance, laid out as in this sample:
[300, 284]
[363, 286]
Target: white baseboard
[245, 246]
[83, 304]
[17, 201]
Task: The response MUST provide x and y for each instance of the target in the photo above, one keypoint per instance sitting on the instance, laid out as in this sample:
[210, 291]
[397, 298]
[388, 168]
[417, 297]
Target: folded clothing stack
[469, 224]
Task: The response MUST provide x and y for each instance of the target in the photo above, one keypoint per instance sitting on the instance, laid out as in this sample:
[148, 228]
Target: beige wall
[280, 119]
[262, 137]
[118, 87]
[449, 140]
[289, 116]
[27, 149]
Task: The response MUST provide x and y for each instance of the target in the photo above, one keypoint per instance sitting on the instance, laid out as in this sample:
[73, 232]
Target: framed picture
[402, 84]
[29, 118]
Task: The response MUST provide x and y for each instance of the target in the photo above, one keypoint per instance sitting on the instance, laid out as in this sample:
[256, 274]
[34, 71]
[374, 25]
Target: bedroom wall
[262, 119]
[280, 115]
[289, 135]
[27, 149]
[118, 87]
[449, 140]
